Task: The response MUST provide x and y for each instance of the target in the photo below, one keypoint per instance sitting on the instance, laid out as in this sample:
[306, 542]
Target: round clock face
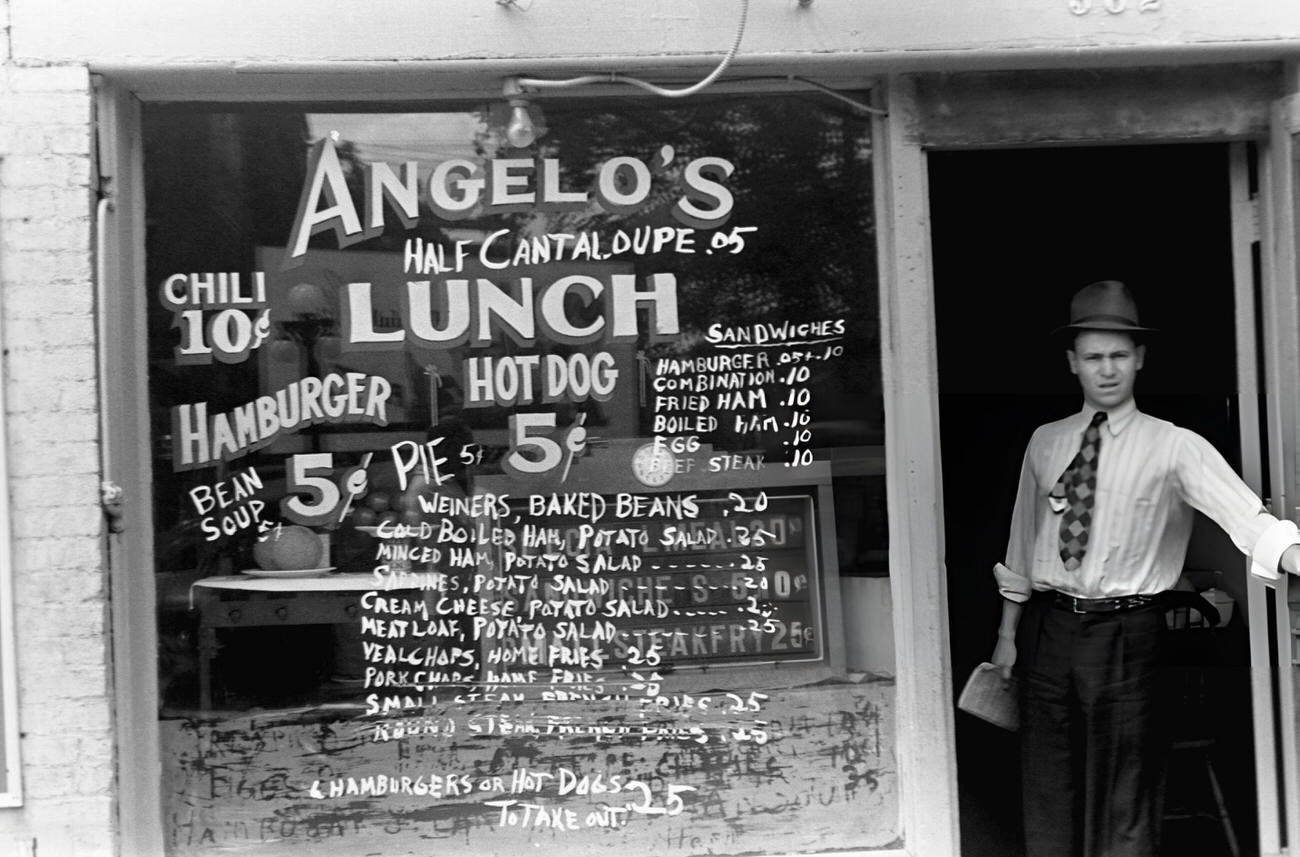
[653, 465]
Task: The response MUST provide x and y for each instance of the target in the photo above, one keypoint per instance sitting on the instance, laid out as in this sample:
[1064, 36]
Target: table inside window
[247, 601]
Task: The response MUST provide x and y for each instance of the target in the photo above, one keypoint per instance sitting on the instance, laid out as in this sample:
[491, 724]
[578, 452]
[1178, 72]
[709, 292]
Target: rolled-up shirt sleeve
[1013, 573]
[1211, 486]
[1267, 554]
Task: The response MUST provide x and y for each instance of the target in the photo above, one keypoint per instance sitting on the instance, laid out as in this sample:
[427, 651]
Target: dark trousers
[1093, 745]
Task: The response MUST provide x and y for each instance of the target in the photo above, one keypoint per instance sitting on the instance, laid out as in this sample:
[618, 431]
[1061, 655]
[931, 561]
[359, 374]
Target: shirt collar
[1116, 418]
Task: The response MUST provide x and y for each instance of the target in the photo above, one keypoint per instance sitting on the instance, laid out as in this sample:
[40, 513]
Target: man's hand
[1290, 562]
[1004, 655]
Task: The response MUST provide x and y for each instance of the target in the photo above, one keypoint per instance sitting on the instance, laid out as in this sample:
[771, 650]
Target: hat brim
[1118, 326]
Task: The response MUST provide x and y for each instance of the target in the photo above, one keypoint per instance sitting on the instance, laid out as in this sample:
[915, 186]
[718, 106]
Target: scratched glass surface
[518, 496]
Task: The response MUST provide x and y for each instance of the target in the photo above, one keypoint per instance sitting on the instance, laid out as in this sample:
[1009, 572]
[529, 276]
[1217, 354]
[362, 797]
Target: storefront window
[519, 498]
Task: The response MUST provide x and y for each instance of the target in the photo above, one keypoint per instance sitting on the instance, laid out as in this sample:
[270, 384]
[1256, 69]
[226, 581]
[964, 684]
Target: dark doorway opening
[1015, 233]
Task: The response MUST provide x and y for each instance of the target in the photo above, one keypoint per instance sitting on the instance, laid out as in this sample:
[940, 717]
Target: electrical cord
[821, 87]
[516, 86]
[615, 77]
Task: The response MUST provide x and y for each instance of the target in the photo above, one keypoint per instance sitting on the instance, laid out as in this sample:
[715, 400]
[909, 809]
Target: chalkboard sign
[696, 577]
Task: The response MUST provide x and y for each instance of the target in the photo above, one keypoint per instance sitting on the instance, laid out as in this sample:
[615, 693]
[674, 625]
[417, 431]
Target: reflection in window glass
[519, 498]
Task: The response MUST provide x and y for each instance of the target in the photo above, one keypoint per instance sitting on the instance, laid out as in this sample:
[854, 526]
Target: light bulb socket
[522, 130]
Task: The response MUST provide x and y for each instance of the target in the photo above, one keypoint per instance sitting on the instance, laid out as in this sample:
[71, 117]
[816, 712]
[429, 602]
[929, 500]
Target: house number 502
[1113, 7]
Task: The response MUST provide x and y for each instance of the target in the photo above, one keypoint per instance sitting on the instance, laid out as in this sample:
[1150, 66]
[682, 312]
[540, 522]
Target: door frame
[1272, 632]
[124, 452]
[932, 112]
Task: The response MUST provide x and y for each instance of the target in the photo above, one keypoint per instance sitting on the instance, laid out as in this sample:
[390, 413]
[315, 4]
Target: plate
[288, 572]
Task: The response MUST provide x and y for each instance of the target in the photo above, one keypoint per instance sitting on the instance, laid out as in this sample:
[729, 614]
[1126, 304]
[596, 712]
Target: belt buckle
[1074, 605]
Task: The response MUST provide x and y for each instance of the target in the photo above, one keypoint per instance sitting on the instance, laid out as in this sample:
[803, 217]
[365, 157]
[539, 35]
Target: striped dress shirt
[1151, 475]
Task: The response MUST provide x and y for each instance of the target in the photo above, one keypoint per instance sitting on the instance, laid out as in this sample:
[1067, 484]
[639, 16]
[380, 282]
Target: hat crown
[1104, 305]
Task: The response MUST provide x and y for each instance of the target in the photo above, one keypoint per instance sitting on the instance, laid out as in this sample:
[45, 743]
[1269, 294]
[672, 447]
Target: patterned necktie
[1076, 492]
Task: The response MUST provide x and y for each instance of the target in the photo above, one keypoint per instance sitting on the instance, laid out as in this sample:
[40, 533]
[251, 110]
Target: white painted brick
[30, 304]
[90, 716]
[50, 79]
[47, 611]
[52, 332]
[74, 686]
[46, 781]
[25, 395]
[72, 588]
[47, 277]
[56, 819]
[69, 362]
[85, 657]
[86, 681]
[18, 844]
[57, 779]
[51, 620]
[56, 553]
[72, 140]
[29, 398]
[13, 829]
[64, 521]
[43, 202]
[51, 396]
[33, 170]
[48, 109]
[82, 425]
[30, 139]
[43, 233]
[93, 775]
[39, 492]
[73, 400]
[75, 396]
[92, 842]
[37, 363]
[60, 521]
[54, 636]
[49, 752]
[82, 457]
[52, 365]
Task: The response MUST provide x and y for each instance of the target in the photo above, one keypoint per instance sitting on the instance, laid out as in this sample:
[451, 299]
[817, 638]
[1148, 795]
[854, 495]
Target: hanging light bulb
[520, 131]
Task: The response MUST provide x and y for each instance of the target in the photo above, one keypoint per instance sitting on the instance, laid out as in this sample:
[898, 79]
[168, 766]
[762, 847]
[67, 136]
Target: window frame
[924, 742]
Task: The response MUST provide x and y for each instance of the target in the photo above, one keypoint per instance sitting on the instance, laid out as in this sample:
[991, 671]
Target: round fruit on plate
[292, 547]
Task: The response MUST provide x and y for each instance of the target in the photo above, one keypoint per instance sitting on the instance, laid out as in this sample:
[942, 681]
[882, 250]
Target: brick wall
[60, 585]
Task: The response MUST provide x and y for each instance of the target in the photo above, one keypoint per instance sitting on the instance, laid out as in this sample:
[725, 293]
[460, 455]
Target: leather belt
[1115, 604]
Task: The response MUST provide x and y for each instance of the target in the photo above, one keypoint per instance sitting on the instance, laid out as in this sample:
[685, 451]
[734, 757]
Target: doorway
[1015, 233]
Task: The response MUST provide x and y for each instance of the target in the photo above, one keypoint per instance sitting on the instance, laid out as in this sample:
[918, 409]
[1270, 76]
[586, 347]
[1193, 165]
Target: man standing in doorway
[1099, 533]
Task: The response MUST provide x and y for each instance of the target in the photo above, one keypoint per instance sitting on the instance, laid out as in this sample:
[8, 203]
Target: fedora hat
[1104, 305]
